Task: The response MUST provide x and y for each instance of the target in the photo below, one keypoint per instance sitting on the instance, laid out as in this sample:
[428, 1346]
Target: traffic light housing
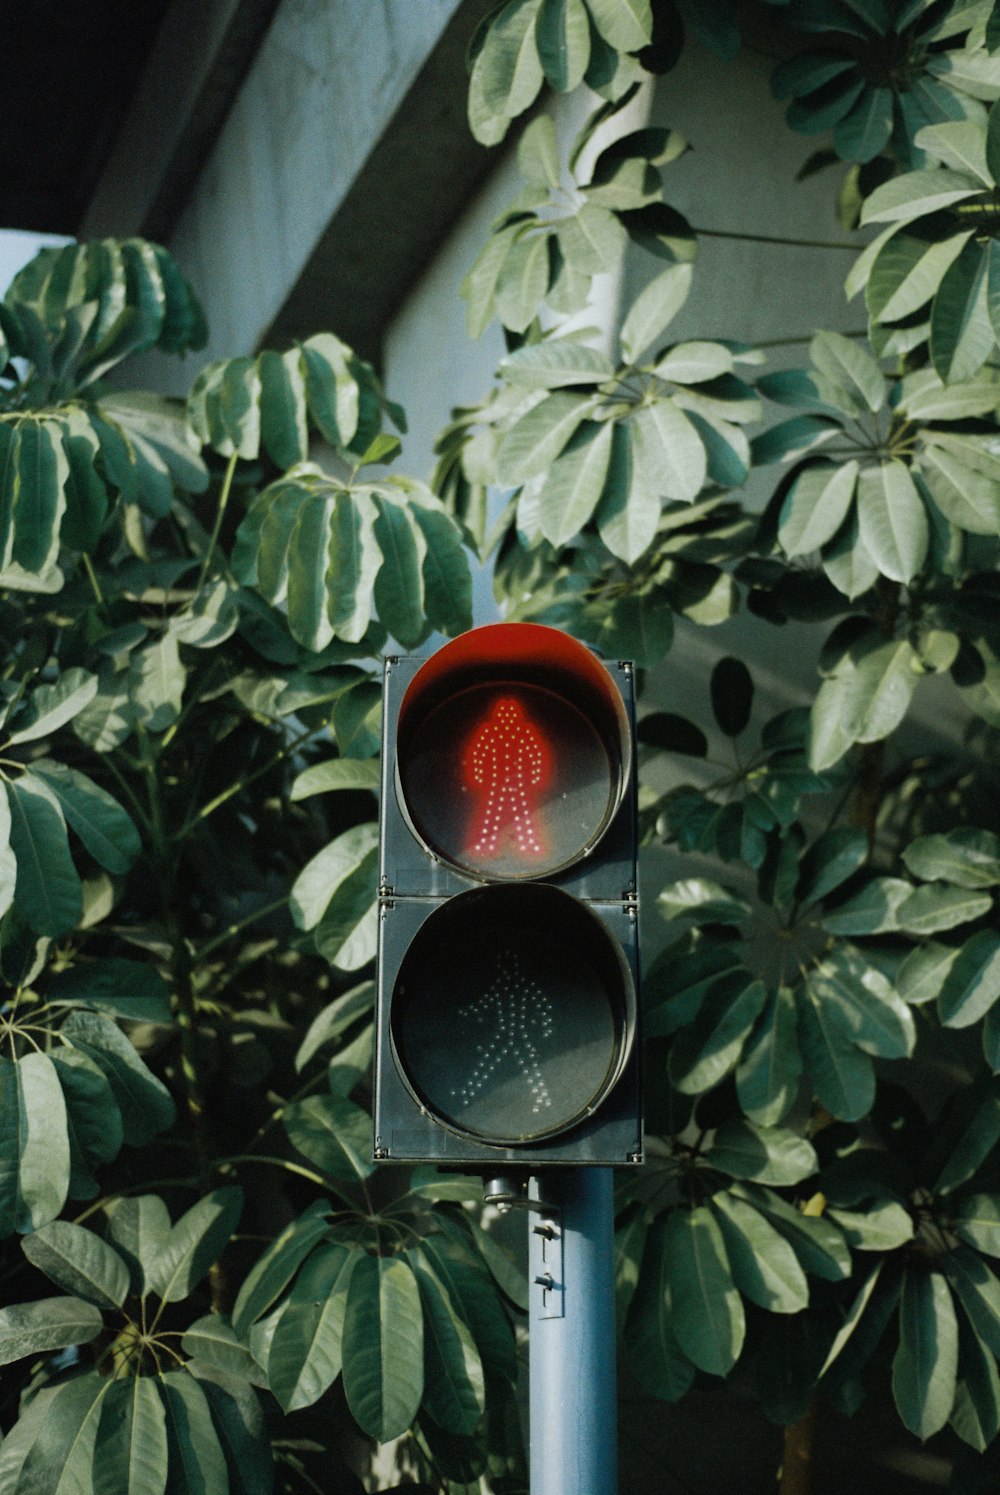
[507, 1013]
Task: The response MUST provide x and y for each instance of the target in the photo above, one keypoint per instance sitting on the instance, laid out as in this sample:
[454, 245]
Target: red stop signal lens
[513, 752]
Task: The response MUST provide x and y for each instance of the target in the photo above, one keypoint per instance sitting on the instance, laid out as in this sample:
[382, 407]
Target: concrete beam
[200, 59]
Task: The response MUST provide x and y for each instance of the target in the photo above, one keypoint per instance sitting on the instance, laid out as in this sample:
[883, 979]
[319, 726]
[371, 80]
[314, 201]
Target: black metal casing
[414, 883]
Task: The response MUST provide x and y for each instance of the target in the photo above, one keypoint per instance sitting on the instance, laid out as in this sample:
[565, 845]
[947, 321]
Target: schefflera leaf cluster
[523, 44]
[321, 547]
[717, 1223]
[559, 232]
[414, 1324]
[927, 1307]
[931, 276]
[884, 70]
[146, 1406]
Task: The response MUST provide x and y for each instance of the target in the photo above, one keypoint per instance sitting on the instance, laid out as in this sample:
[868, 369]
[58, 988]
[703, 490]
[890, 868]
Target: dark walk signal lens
[513, 752]
[512, 1014]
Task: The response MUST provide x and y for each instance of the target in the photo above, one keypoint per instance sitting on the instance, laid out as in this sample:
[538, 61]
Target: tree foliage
[193, 600]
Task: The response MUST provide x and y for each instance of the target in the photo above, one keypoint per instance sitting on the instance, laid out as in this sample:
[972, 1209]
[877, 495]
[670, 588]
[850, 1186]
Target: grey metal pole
[573, 1432]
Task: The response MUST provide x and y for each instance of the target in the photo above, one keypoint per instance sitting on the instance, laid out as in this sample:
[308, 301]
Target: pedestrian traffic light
[507, 1014]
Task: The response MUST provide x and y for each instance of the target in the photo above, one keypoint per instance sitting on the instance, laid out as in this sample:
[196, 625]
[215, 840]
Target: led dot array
[516, 1011]
[506, 759]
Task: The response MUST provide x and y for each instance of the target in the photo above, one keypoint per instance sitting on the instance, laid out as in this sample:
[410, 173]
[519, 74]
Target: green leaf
[47, 889]
[834, 857]
[553, 365]
[961, 334]
[937, 906]
[815, 507]
[871, 910]
[592, 239]
[213, 1343]
[535, 440]
[770, 1155]
[333, 1133]
[708, 900]
[283, 426]
[892, 520]
[926, 1362]
[195, 1461]
[922, 973]
[882, 1225]
[975, 1415]
[653, 1352]
[971, 983]
[35, 1160]
[60, 1458]
[317, 883]
[79, 1261]
[792, 439]
[864, 700]
[334, 774]
[305, 1354]
[767, 1078]
[818, 1244]
[906, 273]
[272, 1272]
[575, 482]
[960, 144]
[843, 1076]
[475, 1301]
[841, 360]
[705, 1052]
[865, 130]
[965, 856]
[8, 861]
[667, 449]
[243, 1437]
[138, 1227]
[195, 1242]
[970, 500]
[916, 194]
[144, 1101]
[867, 1003]
[629, 510]
[625, 25]
[331, 388]
[974, 1145]
[398, 591]
[130, 1456]
[47, 1324]
[708, 1319]
[731, 688]
[654, 308]
[50, 707]
[39, 499]
[156, 683]
[523, 281]
[383, 1346]
[105, 829]
[130, 988]
[562, 35]
[447, 579]
[93, 1120]
[978, 1292]
[454, 1391]
[764, 1266]
[977, 1221]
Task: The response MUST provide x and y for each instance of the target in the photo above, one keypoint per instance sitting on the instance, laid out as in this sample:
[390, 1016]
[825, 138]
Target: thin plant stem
[224, 491]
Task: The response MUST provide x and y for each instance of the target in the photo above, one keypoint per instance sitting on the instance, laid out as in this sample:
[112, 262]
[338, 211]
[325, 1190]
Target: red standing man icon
[507, 762]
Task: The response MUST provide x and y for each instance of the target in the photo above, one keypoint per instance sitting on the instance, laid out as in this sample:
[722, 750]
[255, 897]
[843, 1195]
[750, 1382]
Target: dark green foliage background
[205, 1283]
